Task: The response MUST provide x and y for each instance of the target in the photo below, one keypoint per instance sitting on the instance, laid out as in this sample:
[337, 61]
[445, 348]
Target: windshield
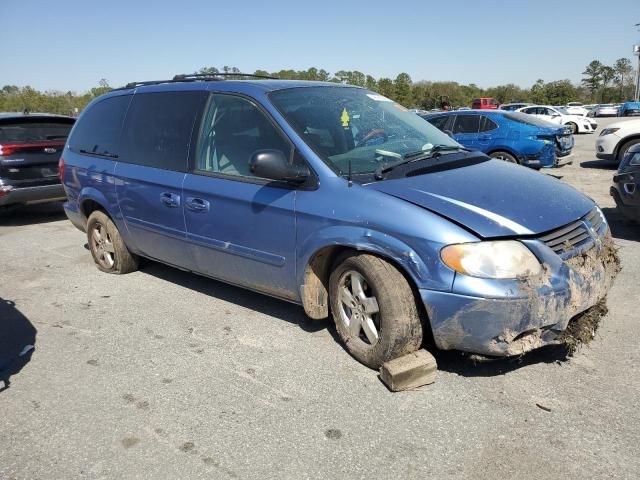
[529, 119]
[351, 125]
[563, 110]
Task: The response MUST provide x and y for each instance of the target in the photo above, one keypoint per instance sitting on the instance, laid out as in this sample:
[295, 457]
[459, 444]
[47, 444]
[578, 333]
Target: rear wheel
[107, 247]
[507, 157]
[625, 148]
[374, 309]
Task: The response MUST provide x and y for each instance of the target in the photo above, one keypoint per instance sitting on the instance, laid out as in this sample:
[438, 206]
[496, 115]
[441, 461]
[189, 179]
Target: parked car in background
[575, 123]
[604, 110]
[510, 107]
[484, 104]
[510, 136]
[339, 199]
[576, 110]
[30, 148]
[626, 184]
[615, 140]
[629, 109]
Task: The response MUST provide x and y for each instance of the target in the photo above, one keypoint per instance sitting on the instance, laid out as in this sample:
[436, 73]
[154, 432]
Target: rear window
[35, 130]
[98, 130]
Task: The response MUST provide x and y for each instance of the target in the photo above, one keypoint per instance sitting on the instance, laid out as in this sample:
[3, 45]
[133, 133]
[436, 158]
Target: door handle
[170, 199]
[197, 204]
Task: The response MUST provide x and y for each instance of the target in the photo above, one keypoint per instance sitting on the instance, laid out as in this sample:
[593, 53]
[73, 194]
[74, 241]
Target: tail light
[6, 150]
[61, 169]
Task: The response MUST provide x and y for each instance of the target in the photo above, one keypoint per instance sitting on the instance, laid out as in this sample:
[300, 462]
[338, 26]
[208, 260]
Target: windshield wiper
[416, 156]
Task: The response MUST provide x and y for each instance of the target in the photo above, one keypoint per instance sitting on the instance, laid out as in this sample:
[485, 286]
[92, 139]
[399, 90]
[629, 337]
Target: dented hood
[493, 198]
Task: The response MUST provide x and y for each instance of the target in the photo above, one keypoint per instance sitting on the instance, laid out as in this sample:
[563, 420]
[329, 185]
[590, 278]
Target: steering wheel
[371, 134]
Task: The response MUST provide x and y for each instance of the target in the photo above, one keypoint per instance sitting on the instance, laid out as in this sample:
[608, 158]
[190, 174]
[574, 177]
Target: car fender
[95, 195]
[370, 240]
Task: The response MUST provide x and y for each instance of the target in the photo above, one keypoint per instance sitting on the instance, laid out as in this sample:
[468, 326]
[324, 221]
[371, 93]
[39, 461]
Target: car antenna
[350, 182]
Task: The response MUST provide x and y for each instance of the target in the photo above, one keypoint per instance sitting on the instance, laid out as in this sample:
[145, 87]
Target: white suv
[617, 138]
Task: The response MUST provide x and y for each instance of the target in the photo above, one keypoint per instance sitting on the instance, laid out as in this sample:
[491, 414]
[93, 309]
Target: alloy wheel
[102, 246]
[359, 308]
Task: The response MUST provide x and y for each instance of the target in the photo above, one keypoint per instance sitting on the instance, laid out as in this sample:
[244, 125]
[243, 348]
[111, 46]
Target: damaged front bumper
[511, 317]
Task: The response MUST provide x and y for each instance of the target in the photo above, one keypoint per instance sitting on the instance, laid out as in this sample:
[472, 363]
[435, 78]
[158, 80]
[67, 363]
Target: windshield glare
[343, 124]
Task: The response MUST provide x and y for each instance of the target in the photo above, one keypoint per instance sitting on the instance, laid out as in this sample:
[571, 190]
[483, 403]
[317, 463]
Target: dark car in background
[511, 136]
[626, 184]
[30, 148]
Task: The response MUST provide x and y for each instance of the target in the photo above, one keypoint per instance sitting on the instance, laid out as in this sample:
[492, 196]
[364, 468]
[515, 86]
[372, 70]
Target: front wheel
[507, 157]
[573, 127]
[374, 309]
[107, 247]
[625, 148]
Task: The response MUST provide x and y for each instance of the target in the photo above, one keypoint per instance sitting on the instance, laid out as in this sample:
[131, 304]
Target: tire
[573, 127]
[108, 250]
[386, 304]
[625, 147]
[507, 157]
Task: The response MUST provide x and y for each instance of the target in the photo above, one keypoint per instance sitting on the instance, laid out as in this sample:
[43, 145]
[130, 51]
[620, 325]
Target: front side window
[158, 129]
[233, 130]
[352, 126]
[439, 122]
[98, 129]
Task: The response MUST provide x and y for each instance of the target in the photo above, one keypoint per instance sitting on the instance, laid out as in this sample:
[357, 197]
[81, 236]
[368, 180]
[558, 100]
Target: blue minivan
[340, 200]
[511, 136]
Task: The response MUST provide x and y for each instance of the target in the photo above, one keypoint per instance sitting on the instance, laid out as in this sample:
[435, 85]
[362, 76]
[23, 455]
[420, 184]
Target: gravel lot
[164, 374]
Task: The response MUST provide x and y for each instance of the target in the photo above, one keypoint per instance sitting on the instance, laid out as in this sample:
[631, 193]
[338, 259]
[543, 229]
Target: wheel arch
[624, 141]
[317, 266]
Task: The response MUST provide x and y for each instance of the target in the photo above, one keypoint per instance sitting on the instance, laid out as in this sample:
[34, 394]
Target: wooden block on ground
[410, 371]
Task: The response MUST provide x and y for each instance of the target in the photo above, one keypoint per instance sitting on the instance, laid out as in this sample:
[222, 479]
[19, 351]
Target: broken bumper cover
[513, 317]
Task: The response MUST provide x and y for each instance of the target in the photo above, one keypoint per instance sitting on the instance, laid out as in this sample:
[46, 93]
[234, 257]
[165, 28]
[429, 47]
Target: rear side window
[35, 130]
[486, 124]
[98, 130]
[467, 124]
[157, 131]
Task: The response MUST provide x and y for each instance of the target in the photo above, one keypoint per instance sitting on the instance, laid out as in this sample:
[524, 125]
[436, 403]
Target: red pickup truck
[484, 104]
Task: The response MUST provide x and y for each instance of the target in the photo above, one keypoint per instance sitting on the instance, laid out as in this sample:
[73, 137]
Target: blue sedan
[511, 136]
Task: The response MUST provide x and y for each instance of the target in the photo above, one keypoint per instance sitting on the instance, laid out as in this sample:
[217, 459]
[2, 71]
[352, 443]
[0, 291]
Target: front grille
[569, 240]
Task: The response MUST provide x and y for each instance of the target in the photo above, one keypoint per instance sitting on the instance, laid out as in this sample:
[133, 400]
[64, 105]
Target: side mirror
[555, 115]
[273, 164]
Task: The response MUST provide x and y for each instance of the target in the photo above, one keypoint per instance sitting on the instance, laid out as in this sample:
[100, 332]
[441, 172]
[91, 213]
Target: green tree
[624, 72]
[402, 87]
[593, 77]
[386, 87]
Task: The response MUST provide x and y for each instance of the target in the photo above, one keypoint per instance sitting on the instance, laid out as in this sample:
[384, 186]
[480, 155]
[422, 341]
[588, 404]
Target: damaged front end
[510, 317]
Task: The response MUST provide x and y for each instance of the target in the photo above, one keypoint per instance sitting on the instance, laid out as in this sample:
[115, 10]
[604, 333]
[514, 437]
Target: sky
[72, 44]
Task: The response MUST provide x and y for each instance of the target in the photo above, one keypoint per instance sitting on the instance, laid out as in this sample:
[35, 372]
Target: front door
[241, 228]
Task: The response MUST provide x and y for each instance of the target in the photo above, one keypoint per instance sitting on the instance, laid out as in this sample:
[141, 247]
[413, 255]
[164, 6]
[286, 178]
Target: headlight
[499, 259]
[608, 131]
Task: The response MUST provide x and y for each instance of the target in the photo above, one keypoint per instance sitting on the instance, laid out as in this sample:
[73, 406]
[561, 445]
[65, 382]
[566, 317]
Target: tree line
[600, 84]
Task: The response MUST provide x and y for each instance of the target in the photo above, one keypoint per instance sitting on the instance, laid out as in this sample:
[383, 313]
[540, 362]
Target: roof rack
[213, 76]
[194, 77]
